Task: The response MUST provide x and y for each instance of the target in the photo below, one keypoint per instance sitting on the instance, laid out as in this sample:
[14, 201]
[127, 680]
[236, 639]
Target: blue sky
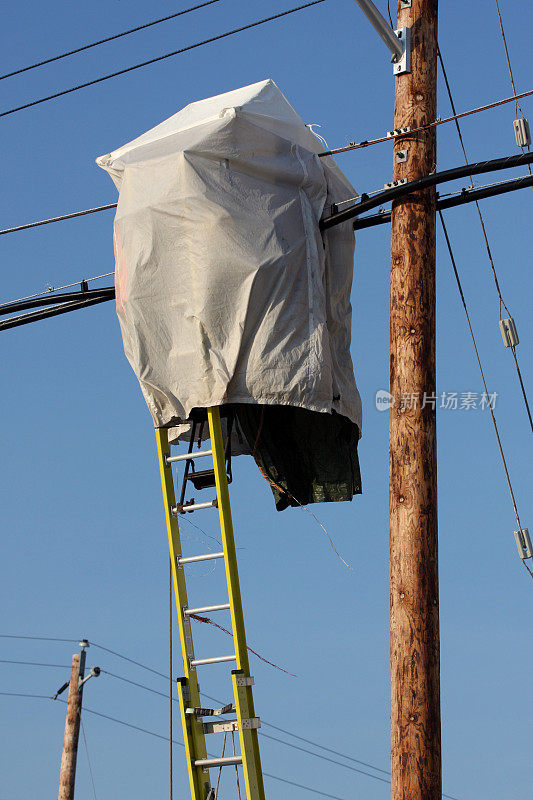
[84, 542]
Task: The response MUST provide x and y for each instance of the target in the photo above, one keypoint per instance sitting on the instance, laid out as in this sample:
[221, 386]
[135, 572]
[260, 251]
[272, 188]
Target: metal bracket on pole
[398, 42]
[403, 63]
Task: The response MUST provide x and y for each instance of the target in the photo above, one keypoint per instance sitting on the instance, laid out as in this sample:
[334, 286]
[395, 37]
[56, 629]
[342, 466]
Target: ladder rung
[228, 725]
[204, 609]
[188, 456]
[193, 559]
[197, 662]
[225, 761]
[194, 507]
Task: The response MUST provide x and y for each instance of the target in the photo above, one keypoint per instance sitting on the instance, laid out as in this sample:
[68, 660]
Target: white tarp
[226, 290]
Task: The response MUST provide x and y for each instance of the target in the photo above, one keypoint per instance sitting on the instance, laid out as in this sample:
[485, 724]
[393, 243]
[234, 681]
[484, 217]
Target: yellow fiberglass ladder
[244, 722]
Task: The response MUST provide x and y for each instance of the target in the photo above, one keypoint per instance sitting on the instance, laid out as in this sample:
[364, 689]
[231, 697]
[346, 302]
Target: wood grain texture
[415, 671]
[67, 775]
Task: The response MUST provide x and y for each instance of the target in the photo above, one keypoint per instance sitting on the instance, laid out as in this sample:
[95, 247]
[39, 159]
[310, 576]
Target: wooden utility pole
[415, 678]
[67, 775]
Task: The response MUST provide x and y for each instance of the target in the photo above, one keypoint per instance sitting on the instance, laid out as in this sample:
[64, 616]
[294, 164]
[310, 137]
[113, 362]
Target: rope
[208, 621]
[107, 39]
[159, 58]
[493, 417]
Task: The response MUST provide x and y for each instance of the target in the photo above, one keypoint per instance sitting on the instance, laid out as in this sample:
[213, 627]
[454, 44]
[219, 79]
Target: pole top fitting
[83, 643]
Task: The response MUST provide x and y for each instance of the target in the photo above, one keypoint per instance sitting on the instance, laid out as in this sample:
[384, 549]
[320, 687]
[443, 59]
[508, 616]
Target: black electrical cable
[107, 39]
[394, 193]
[463, 197]
[62, 308]
[380, 196]
[160, 58]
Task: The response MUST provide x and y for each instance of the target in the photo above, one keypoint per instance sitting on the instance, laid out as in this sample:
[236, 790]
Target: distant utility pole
[67, 775]
[414, 595]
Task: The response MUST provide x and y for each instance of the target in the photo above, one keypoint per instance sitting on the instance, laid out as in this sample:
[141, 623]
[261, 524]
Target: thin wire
[131, 660]
[236, 768]
[523, 388]
[322, 747]
[207, 696]
[274, 738]
[511, 76]
[482, 223]
[160, 736]
[266, 774]
[34, 663]
[170, 671]
[103, 41]
[390, 15]
[35, 638]
[220, 768]
[358, 145]
[160, 58]
[463, 148]
[128, 724]
[134, 683]
[301, 786]
[88, 759]
[51, 289]
[324, 758]
[493, 417]
[477, 186]
[73, 215]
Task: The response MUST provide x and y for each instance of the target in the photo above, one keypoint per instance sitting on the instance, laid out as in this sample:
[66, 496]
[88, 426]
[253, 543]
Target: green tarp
[306, 456]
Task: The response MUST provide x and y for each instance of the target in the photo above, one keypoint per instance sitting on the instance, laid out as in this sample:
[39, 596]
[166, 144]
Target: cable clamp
[509, 332]
[392, 184]
[523, 542]
[398, 132]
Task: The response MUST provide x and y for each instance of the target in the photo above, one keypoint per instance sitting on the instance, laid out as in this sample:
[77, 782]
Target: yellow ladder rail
[194, 729]
[242, 682]
[188, 691]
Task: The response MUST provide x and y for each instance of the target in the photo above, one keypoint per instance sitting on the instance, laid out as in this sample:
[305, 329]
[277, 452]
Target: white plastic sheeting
[226, 290]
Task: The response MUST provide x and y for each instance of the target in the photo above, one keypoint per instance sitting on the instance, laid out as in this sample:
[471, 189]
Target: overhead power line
[33, 663]
[175, 741]
[369, 142]
[107, 39]
[512, 162]
[211, 39]
[216, 700]
[478, 358]
[480, 215]
[35, 638]
[455, 199]
[73, 215]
